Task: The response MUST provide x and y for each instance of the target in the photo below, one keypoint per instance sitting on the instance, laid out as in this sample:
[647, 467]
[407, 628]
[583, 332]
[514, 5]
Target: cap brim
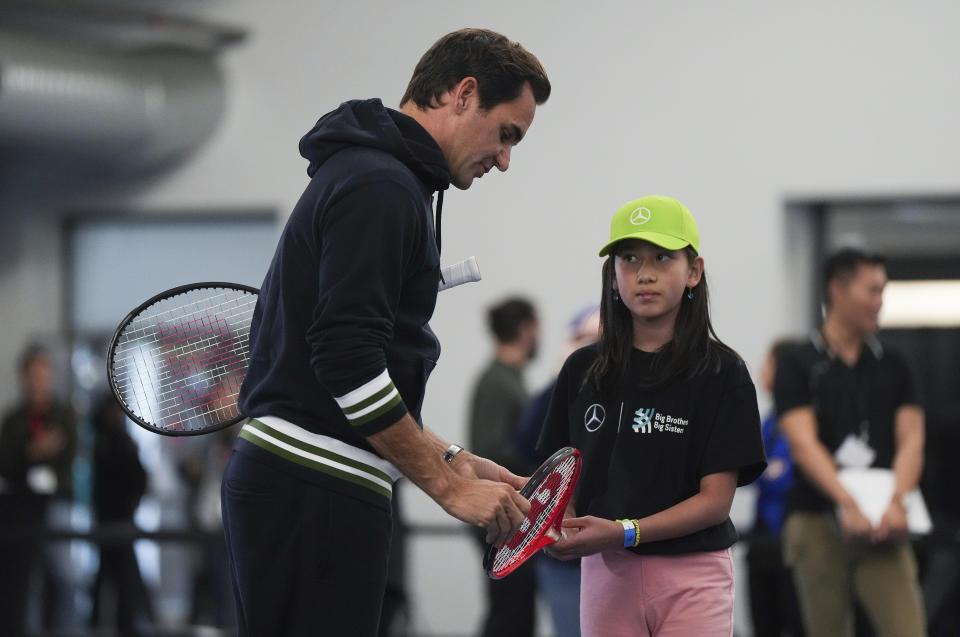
[663, 240]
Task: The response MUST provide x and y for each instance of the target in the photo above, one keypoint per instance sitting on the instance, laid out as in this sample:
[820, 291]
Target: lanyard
[859, 383]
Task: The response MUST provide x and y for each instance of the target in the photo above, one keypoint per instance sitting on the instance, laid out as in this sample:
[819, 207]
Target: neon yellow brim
[663, 240]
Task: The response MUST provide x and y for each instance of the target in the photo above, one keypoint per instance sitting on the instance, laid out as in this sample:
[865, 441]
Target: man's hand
[477, 469]
[469, 465]
[473, 467]
[586, 536]
[471, 489]
[893, 524]
[495, 506]
[853, 523]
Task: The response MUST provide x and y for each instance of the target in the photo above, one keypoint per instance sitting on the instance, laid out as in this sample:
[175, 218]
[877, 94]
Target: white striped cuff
[370, 400]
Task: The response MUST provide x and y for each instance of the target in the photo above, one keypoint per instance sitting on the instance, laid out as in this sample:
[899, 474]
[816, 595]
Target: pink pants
[623, 594]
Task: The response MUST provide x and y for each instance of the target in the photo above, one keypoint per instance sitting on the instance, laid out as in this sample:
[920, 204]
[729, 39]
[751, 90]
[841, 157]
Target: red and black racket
[177, 361]
[549, 491]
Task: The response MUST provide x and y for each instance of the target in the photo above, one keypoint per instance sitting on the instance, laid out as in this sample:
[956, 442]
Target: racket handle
[465, 271]
[555, 535]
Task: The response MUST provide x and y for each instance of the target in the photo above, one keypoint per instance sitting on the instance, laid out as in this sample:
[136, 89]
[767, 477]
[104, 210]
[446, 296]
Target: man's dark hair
[501, 68]
[843, 264]
[507, 317]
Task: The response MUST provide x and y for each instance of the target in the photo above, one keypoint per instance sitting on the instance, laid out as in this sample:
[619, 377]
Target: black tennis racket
[549, 491]
[177, 361]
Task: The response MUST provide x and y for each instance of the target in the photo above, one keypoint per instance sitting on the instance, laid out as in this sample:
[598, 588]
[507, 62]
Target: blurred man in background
[499, 397]
[847, 401]
[119, 481]
[38, 442]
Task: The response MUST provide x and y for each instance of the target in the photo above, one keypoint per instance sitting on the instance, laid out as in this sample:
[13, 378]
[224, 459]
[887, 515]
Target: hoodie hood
[369, 123]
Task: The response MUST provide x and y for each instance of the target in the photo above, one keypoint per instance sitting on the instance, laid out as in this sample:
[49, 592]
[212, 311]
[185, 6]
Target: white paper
[872, 489]
[465, 271]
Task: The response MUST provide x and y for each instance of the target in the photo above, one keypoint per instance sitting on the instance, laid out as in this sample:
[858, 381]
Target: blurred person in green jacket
[499, 397]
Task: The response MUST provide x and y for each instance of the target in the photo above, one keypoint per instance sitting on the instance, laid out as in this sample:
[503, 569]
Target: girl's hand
[586, 536]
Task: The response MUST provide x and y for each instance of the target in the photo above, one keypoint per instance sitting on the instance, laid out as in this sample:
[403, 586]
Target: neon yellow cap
[663, 221]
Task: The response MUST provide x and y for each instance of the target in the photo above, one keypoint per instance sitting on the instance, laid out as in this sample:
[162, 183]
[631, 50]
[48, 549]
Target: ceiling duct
[139, 106]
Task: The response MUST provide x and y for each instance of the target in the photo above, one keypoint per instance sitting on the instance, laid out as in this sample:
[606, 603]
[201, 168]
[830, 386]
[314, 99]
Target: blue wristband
[629, 533]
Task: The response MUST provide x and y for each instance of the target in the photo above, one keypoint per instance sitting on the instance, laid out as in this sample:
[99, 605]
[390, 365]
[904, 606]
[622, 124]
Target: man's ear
[834, 290]
[464, 93]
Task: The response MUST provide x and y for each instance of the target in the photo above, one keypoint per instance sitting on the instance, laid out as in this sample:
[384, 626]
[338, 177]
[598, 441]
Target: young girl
[666, 418]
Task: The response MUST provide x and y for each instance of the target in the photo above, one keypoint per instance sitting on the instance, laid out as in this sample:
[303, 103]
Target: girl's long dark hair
[694, 349]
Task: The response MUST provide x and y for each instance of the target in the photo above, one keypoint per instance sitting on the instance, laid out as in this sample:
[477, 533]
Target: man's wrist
[452, 452]
[845, 500]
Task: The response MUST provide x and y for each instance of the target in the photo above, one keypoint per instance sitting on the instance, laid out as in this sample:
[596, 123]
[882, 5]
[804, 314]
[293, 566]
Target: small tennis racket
[177, 361]
[549, 491]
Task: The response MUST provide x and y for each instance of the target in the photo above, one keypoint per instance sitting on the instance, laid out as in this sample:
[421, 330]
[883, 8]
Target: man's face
[858, 301]
[481, 139]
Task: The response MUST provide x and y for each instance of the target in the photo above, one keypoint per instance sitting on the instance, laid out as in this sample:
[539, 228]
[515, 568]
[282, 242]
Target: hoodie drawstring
[436, 226]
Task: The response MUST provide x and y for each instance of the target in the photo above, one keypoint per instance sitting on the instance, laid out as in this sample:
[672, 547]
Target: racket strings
[235, 324]
[228, 344]
[183, 308]
[172, 401]
[154, 332]
[180, 365]
[203, 353]
[546, 498]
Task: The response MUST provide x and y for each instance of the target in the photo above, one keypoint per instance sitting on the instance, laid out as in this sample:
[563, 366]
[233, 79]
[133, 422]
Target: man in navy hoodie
[341, 347]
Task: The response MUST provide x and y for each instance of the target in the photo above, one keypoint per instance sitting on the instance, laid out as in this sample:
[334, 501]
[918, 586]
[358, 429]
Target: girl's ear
[696, 272]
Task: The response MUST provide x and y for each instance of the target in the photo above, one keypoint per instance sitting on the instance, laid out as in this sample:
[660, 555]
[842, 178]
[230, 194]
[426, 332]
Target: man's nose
[503, 159]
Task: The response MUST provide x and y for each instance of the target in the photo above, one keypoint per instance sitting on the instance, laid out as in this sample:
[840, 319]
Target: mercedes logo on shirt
[594, 417]
[640, 216]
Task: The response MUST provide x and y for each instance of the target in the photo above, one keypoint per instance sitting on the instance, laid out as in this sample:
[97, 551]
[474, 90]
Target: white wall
[730, 107]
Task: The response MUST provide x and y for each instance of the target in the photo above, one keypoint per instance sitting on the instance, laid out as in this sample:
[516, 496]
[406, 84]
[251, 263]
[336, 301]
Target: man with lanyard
[341, 347]
[846, 400]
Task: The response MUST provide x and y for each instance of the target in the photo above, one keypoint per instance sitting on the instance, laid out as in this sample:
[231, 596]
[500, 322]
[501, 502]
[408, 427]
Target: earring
[616, 295]
[689, 293]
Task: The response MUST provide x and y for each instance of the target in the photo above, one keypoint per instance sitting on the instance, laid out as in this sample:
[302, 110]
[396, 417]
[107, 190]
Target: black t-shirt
[860, 400]
[646, 450]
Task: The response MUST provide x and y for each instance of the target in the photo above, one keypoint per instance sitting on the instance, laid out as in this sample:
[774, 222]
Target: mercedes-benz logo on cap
[640, 216]
[594, 417]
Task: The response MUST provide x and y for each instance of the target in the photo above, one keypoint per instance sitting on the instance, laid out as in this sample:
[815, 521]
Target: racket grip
[465, 271]
[555, 535]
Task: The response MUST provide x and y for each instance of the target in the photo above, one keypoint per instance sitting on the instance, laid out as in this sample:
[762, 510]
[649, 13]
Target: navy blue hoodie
[340, 341]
